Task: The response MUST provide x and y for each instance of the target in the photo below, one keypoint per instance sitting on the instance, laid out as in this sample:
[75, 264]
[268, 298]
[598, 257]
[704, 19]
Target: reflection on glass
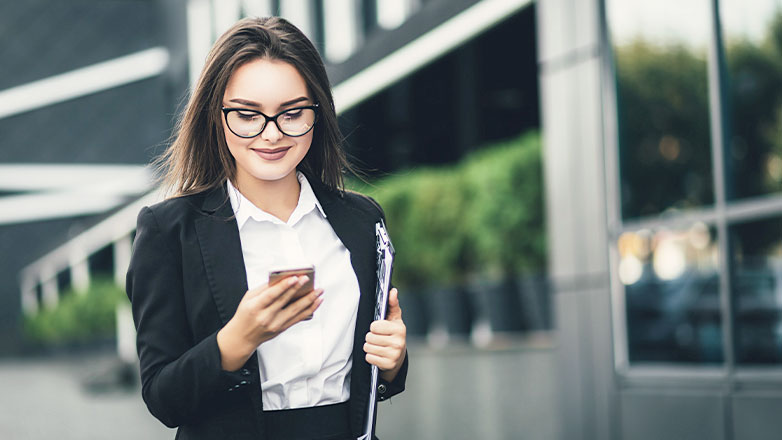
[672, 295]
[660, 49]
[752, 33]
[757, 289]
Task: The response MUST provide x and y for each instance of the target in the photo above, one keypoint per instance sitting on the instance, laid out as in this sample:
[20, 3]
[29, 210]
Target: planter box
[450, 308]
[535, 300]
[513, 304]
[498, 303]
[415, 312]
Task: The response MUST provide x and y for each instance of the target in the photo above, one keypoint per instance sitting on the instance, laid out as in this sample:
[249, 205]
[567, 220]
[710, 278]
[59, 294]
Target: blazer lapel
[221, 249]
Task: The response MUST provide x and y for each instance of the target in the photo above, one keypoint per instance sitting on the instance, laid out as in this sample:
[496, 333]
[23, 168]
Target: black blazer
[185, 281]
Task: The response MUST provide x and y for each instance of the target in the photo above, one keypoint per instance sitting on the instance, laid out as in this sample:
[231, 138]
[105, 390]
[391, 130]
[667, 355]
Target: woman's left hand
[386, 342]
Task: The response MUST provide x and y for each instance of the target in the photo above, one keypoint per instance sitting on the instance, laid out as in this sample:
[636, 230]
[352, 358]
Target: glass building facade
[663, 154]
[699, 241]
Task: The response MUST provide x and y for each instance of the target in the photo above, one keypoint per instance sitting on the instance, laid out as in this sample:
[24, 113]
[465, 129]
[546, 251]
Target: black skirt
[327, 422]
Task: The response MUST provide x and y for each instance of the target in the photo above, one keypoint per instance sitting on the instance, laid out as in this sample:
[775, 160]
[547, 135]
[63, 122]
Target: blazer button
[381, 388]
[245, 372]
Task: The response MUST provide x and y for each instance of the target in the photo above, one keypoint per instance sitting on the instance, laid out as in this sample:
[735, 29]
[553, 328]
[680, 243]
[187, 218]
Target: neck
[277, 197]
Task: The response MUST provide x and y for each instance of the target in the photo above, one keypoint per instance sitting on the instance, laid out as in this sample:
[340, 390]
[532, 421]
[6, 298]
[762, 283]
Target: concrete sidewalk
[458, 392]
[46, 399]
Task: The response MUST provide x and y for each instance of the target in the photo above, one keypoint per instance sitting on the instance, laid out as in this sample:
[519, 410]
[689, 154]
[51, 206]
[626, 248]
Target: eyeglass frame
[313, 107]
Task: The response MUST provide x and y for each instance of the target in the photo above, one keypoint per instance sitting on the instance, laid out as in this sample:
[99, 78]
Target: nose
[271, 133]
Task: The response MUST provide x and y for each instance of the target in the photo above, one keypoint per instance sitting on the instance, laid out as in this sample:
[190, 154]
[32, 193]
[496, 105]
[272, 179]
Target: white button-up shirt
[309, 363]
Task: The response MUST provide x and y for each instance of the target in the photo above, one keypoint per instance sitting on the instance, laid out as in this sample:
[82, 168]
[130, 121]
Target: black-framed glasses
[294, 122]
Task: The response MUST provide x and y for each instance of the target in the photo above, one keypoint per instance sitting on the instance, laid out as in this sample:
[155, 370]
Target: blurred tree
[755, 72]
[664, 135]
[664, 127]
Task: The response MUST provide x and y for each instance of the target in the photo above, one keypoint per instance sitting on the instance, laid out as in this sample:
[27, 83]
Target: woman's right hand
[262, 315]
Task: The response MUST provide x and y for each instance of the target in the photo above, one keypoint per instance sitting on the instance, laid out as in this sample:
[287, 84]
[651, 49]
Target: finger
[271, 293]
[380, 362]
[277, 299]
[394, 311]
[384, 352]
[299, 313]
[387, 327]
[296, 307]
[256, 291]
[294, 293]
[302, 303]
[394, 341]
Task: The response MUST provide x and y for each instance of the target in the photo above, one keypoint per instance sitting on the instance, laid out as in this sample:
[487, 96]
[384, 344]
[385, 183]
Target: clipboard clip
[383, 241]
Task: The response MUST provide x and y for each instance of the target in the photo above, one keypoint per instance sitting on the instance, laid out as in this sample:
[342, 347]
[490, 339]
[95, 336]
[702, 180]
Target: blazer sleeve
[391, 389]
[179, 376]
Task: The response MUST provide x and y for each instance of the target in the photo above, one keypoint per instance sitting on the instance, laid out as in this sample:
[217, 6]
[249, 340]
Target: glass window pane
[672, 295]
[757, 291]
[752, 33]
[660, 50]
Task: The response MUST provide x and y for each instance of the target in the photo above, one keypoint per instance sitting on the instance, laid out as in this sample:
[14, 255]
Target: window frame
[721, 215]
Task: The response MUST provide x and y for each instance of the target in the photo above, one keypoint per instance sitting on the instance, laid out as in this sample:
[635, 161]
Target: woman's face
[270, 87]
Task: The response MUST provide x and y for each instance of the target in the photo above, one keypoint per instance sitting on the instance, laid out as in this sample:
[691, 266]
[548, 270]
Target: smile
[271, 154]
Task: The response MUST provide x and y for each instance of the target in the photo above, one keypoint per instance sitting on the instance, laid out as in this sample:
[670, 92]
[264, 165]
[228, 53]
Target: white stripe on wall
[455, 31]
[117, 179]
[57, 191]
[199, 36]
[84, 81]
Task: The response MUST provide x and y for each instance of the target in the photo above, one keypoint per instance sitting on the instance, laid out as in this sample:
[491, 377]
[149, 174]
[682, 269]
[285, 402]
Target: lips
[271, 153]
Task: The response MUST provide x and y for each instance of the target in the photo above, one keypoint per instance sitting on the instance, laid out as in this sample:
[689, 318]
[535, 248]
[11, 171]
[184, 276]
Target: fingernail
[292, 281]
[303, 279]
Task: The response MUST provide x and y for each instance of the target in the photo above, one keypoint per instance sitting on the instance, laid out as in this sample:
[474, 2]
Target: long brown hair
[198, 158]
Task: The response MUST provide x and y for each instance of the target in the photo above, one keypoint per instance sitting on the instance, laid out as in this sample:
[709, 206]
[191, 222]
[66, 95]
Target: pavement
[455, 392]
[48, 398]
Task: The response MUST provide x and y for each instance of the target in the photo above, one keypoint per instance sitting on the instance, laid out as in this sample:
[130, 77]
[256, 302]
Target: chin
[272, 175]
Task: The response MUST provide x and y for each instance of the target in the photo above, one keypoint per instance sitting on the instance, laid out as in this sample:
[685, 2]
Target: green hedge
[78, 316]
[482, 216]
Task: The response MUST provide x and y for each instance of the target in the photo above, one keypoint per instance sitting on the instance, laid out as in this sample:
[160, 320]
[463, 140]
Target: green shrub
[482, 216]
[78, 316]
[506, 215]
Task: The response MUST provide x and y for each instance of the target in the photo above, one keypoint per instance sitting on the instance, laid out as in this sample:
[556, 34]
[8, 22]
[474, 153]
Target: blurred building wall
[570, 66]
[664, 215]
[88, 91]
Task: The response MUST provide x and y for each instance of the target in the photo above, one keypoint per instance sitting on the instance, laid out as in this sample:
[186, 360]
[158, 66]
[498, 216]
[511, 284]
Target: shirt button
[381, 388]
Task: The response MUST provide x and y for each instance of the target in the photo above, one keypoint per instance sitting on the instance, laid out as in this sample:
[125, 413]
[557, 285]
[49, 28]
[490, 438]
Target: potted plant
[506, 222]
[442, 247]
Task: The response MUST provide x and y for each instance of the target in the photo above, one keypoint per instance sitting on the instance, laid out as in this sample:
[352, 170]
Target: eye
[247, 116]
[293, 113]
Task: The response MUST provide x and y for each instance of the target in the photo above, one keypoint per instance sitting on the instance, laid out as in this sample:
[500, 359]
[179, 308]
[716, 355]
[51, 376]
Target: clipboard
[385, 263]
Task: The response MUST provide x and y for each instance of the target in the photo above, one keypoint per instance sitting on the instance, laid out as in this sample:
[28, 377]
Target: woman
[256, 170]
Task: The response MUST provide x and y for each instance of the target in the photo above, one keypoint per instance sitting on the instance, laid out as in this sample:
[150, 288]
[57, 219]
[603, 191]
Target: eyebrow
[255, 104]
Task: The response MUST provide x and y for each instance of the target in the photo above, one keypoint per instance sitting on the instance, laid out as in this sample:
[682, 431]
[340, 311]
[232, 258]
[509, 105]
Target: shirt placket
[294, 255]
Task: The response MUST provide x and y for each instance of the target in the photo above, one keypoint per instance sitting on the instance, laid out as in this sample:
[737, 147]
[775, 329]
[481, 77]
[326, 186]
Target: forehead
[267, 82]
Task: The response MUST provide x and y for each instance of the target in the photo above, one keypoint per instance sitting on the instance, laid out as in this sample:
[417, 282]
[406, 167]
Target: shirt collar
[244, 209]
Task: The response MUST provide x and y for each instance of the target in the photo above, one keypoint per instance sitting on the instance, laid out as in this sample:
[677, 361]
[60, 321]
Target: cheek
[306, 143]
[235, 143]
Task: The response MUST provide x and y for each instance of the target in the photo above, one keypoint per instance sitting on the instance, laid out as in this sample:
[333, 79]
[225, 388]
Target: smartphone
[276, 276]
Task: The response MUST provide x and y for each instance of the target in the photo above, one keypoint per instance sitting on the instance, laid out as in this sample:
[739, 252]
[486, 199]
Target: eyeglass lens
[294, 122]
